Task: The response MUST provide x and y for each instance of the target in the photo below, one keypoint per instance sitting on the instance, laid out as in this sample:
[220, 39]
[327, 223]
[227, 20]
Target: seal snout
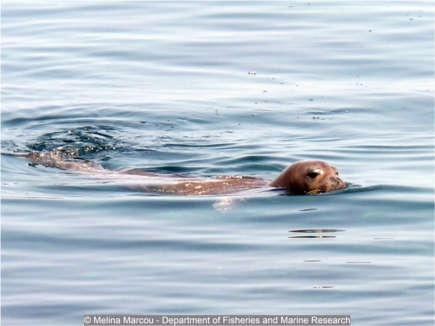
[337, 183]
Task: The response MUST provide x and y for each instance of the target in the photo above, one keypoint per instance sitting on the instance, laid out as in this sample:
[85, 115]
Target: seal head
[309, 177]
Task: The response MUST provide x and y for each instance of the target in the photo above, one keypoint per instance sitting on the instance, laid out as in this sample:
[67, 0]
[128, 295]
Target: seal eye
[314, 173]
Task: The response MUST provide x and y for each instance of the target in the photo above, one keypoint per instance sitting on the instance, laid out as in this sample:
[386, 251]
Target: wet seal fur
[309, 177]
[300, 178]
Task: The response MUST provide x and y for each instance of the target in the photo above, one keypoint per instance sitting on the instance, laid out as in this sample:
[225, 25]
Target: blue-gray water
[214, 88]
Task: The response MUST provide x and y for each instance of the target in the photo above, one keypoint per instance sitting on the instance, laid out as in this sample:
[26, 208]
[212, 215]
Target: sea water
[218, 88]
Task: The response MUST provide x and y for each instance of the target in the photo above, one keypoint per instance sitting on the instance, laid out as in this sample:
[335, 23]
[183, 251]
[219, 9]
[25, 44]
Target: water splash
[81, 142]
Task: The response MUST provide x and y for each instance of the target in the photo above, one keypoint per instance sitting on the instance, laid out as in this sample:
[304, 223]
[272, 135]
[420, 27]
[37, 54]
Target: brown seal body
[309, 177]
[300, 178]
[224, 185]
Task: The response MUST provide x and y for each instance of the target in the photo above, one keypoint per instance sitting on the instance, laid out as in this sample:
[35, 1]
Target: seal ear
[312, 173]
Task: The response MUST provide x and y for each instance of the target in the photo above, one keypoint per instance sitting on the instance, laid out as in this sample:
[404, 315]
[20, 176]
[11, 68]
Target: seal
[300, 178]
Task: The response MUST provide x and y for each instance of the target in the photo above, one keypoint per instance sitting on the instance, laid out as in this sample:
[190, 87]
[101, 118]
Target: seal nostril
[336, 181]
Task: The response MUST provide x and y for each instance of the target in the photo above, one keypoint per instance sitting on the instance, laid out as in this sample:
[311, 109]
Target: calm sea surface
[215, 88]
